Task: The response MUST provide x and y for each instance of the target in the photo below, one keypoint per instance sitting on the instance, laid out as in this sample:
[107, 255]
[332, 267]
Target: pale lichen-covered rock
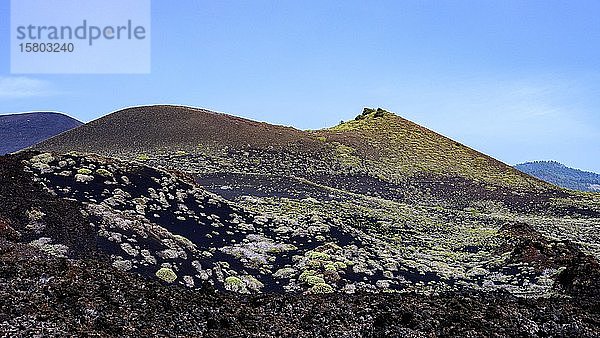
[188, 281]
[252, 283]
[235, 284]
[130, 250]
[125, 180]
[44, 158]
[83, 178]
[148, 258]
[284, 273]
[45, 244]
[122, 264]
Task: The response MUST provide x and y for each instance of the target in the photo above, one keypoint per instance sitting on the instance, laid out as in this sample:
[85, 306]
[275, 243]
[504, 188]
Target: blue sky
[519, 80]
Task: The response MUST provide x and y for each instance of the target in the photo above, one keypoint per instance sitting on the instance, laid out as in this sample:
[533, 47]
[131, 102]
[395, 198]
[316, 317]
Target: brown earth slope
[377, 142]
[148, 129]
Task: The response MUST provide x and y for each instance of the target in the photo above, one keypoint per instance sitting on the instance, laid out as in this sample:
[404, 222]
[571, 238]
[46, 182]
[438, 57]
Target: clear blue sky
[519, 80]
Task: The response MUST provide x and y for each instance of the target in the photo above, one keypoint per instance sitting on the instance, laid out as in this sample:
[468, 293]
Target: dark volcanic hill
[152, 129]
[20, 131]
[561, 175]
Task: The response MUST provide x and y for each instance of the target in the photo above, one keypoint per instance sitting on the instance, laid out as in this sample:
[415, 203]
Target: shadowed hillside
[128, 253]
[20, 131]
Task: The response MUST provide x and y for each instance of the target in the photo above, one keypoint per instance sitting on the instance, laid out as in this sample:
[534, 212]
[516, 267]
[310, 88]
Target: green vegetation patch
[166, 274]
[321, 288]
[142, 157]
[104, 172]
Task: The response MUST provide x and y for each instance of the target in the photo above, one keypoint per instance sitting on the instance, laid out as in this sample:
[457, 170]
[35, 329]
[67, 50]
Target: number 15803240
[34, 47]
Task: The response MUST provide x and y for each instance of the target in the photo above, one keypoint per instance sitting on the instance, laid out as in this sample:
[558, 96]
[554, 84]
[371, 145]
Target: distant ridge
[20, 131]
[561, 175]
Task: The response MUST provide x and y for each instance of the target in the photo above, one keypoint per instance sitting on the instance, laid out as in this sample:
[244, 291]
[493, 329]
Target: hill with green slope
[401, 148]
